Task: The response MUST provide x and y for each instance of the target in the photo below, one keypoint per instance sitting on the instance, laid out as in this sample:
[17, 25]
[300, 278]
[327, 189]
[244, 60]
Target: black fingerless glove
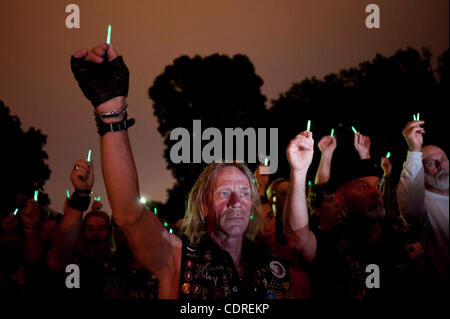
[101, 82]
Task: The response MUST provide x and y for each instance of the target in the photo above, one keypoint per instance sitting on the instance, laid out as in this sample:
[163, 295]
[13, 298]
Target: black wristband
[79, 202]
[83, 191]
[103, 128]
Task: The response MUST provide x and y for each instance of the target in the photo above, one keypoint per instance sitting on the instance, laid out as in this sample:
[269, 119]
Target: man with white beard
[423, 193]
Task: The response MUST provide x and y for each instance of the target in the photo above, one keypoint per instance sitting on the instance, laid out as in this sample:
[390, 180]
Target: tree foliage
[23, 162]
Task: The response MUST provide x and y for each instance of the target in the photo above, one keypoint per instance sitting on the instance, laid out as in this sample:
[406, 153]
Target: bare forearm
[119, 170]
[66, 239]
[324, 169]
[296, 227]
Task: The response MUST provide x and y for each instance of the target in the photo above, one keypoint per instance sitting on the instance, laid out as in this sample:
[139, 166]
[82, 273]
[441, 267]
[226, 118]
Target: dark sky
[286, 40]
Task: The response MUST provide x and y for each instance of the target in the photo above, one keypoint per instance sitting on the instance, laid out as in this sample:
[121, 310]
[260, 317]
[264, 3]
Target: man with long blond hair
[216, 257]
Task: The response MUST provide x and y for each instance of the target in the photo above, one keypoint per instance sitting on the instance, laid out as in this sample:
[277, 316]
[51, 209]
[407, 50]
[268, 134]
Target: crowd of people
[348, 235]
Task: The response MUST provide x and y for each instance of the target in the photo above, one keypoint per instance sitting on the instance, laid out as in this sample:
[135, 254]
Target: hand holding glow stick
[354, 130]
[388, 155]
[332, 132]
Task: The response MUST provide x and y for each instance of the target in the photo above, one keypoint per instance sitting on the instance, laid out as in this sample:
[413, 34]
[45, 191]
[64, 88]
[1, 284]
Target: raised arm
[106, 85]
[299, 152]
[69, 229]
[411, 187]
[327, 145]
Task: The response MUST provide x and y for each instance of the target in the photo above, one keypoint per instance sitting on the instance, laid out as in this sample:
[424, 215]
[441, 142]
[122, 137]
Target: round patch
[186, 288]
[207, 255]
[217, 293]
[196, 289]
[188, 276]
[277, 269]
[189, 264]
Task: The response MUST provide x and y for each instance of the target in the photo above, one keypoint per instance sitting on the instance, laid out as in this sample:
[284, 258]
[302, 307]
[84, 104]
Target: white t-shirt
[426, 209]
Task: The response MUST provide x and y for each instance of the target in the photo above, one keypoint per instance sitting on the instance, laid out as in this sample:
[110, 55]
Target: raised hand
[362, 145]
[413, 134]
[101, 73]
[327, 145]
[386, 166]
[300, 152]
[82, 175]
[261, 180]
[30, 215]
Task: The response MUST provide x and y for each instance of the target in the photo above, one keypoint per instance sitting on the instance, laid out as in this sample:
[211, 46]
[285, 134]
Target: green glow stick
[251, 217]
[308, 127]
[414, 117]
[68, 194]
[108, 37]
[254, 181]
[418, 116]
[89, 156]
[170, 230]
[155, 210]
[309, 183]
[165, 224]
[15, 212]
[388, 155]
[332, 132]
[354, 130]
[36, 195]
[266, 161]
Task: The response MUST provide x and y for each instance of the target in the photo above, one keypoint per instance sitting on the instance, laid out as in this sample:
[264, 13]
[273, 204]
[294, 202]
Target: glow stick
[36, 196]
[388, 155]
[414, 117]
[332, 132]
[309, 183]
[251, 217]
[89, 156]
[266, 161]
[170, 230]
[15, 212]
[68, 194]
[354, 130]
[308, 127]
[165, 224]
[108, 37]
[418, 116]
[155, 210]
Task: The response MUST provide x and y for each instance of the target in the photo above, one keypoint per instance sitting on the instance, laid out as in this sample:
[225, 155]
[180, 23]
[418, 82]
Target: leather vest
[208, 272]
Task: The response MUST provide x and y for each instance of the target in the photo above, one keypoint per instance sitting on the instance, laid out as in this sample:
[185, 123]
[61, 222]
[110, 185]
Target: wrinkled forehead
[432, 152]
[230, 176]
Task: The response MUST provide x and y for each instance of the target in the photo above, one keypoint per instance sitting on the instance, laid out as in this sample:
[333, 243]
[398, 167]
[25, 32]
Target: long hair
[201, 196]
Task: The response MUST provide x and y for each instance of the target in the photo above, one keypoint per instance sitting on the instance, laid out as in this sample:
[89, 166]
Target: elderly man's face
[362, 198]
[231, 203]
[435, 164]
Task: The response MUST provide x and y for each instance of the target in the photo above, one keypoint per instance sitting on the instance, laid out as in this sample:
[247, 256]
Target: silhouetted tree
[218, 90]
[23, 162]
